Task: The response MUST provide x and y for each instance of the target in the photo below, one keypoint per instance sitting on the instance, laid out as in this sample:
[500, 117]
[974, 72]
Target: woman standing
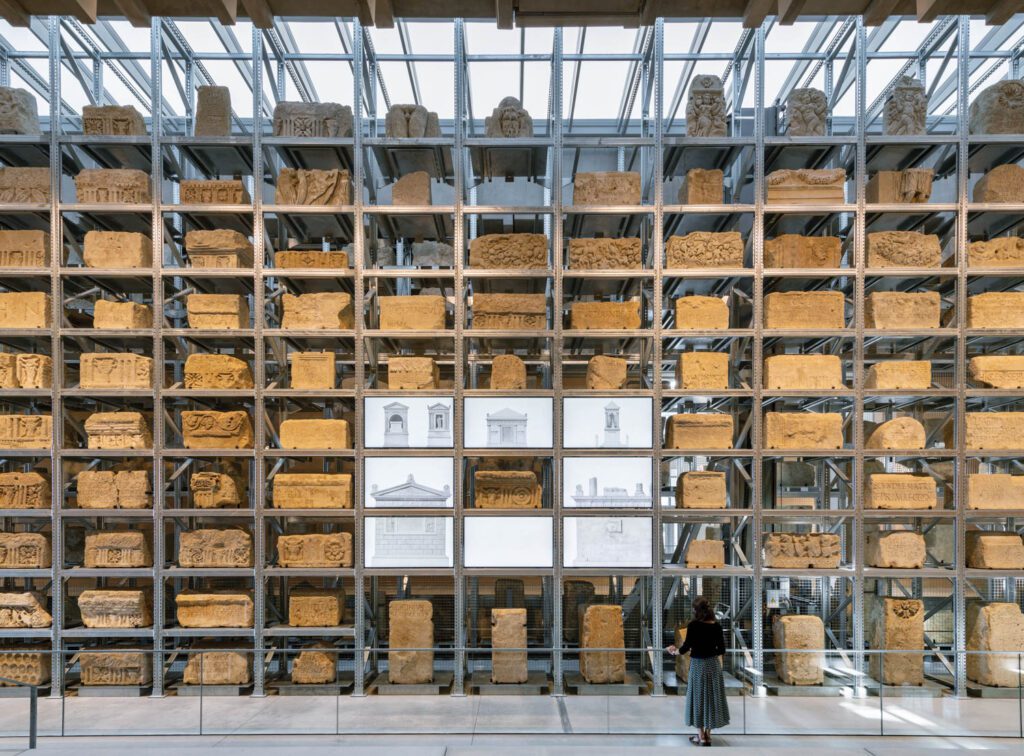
[706, 708]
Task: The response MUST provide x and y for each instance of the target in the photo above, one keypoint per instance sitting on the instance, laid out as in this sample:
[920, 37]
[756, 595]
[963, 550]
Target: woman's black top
[704, 640]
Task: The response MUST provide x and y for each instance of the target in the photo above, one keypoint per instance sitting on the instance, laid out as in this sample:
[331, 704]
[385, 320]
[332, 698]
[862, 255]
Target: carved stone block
[324, 310]
[19, 113]
[432, 254]
[115, 668]
[995, 491]
[315, 550]
[605, 372]
[700, 313]
[895, 549]
[112, 186]
[32, 668]
[604, 316]
[312, 370]
[602, 628]
[315, 433]
[109, 608]
[117, 249]
[808, 310]
[802, 550]
[217, 311]
[507, 372]
[24, 490]
[705, 108]
[102, 370]
[899, 491]
[218, 248]
[806, 112]
[509, 251]
[898, 433]
[605, 254]
[1004, 183]
[701, 489]
[998, 371]
[213, 192]
[312, 491]
[705, 554]
[213, 111]
[998, 109]
[806, 186]
[996, 309]
[803, 430]
[705, 249]
[23, 551]
[210, 547]
[506, 489]
[410, 625]
[311, 186]
[994, 551]
[119, 548]
[702, 370]
[909, 186]
[509, 120]
[118, 430]
[25, 185]
[995, 431]
[213, 490]
[1001, 252]
[994, 627]
[214, 608]
[692, 430]
[216, 371]
[607, 188]
[411, 189]
[210, 429]
[121, 316]
[796, 251]
[211, 667]
[411, 122]
[702, 186]
[896, 310]
[26, 431]
[28, 309]
[32, 371]
[906, 108]
[896, 624]
[313, 667]
[413, 373]
[312, 119]
[307, 258]
[806, 372]
[112, 120]
[113, 489]
[903, 249]
[24, 249]
[25, 609]
[508, 630]
[510, 311]
[419, 312]
[316, 607]
[899, 374]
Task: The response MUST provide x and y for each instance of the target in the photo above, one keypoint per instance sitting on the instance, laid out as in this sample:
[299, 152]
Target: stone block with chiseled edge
[103, 370]
[506, 489]
[113, 489]
[115, 668]
[803, 372]
[212, 547]
[312, 491]
[802, 550]
[903, 249]
[22, 551]
[604, 316]
[508, 631]
[112, 186]
[210, 429]
[799, 634]
[995, 491]
[602, 628]
[419, 312]
[701, 489]
[216, 371]
[507, 372]
[705, 554]
[118, 430]
[796, 251]
[312, 370]
[25, 309]
[705, 249]
[702, 370]
[896, 624]
[996, 309]
[605, 254]
[995, 627]
[998, 371]
[1001, 252]
[605, 372]
[412, 373]
[115, 608]
[510, 311]
[898, 433]
[899, 374]
[810, 310]
[223, 608]
[699, 431]
[1004, 183]
[328, 550]
[26, 431]
[23, 609]
[315, 433]
[411, 625]
[119, 548]
[894, 549]
[606, 188]
[509, 251]
[316, 607]
[215, 490]
[699, 313]
[803, 430]
[899, 491]
[996, 431]
[24, 490]
[219, 248]
[217, 311]
[702, 186]
[988, 550]
[24, 249]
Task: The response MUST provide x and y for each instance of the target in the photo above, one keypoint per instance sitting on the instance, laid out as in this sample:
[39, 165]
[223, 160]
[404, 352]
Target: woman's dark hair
[702, 611]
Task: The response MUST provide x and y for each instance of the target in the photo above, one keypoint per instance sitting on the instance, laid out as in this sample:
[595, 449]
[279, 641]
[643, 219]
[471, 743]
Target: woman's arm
[686, 643]
[719, 640]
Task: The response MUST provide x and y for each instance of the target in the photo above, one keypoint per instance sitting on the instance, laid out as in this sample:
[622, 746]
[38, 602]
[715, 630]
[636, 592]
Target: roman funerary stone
[995, 627]
[316, 607]
[216, 371]
[410, 625]
[210, 547]
[602, 628]
[121, 316]
[26, 431]
[701, 489]
[813, 310]
[702, 186]
[903, 249]
[312, 370]
[702, 370]
[24, 490]
[117, 249]
[414, 373]
[705, 108]
[24, 249]
[32, 668]
[315, 433]
[898, 433]
[214, 608]
[112, 608]
[994, 551]
[112, 186]
[19, 113]
[25, 185]
[506, 489]
[796, 251]
[115, 668]
[899, 491]
[217, 311]
[700, 313]
[996, 309]
[806, 186]
[705, 430]
[212, 667]
[909, 186]
[315, 667]
[112, 120]
[803, 372]
[897, 310]
[23, 551]
[309, 258]
[607, 316]
[605, 254]
[317, 311]
[803, 430]
[510, 311]
[213, 490]
[998, 371]
[118, 430]
[104, 370]
[213, 111]
[213, 192]
[802, 550]
[895, 549]
[899, 374]
[995, 491]
[906, 108]
[508, 630]
[507, 372]
[896, 624]
[26, 609]
[312, 491]
[705, 554]
[605, 372]
[411, 189]
[994, 430]
[113, 489]
[33, 370]
[607, 188]
[411, 122]
[219, 248]
[705, 249]
[509, 251]
[210, 429]
[1004, 183]
[432, 254]
[509, 120]
[312, 187]
[806, 112]
[312, 119]
[799, 633]
[1001, 252]
[417, 312]
[998, 109]
[329, 550]
[28, 309]
[119, 548]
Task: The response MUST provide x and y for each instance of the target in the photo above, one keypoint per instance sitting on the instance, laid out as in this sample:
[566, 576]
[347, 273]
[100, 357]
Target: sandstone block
[410, 625]
[213, 111]
[312, 119]
[26, 431]
[510, 311]
[209, 429]
[24, 490]
[896, 623]
[411, 122]
[419, 312]
[210, 547]
[112, 186]
[705, 108]
[115, 668]
[112, 120]
[214, 490]
[324, 310]
[210, 667]
[119, 548]
[995, 491]
[607, 372]
[24, 249]
[219, 248]
[214, 608]
[994, 551]
[509, 251]
[306, 258]
[312, 370]
[803, 371]
[803, 430]
[796, 251]
[695, 431]
[810, 310]
[906, 108]
[302, 186]
[213, 192]
[123, 607]
[899, 491]
[802, 550]
[19, 113]
[313, 667]
[104, 370]
[604, 316]
[606, 188]
[113, 489]
[509, 120]
[507, 372]
[25, 370]
[705, 249]
[316, 607]
[605, 254]
[1004, 183]
[29, 309]
[898, 433]
[899, 374]
[414, 373]
[806, 186]
[806, 112]
[23, 551]
[506, 489]
[702, 187]
[315, 433]
[896, 549]
[701, 489]
[998, 109]
[706, 554]
[702, 370]
[699, 313]
[995, 627]
[118, 430]
[903, 249]
[412, 189]
[602, 628]
[998, 371]
[216, 371]
[896, 310]
[25, 609]
[312, 491]
[909, 186]
[315, 550]
[24, 666]
[217, 311]
[121, 316]
[1001, 252]
[996, 309]
[994, 430]
[25, 185]
[508, 631]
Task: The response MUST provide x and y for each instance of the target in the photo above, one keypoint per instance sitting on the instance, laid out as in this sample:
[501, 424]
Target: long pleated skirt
[706, 707]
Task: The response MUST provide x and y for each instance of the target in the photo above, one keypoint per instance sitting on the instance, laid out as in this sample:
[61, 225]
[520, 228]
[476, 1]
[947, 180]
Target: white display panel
[393, 422]
[507, 422]
[408, 482]
[605, 422]
[408, 542]
[606, 542]
[508, 542]
[607, 482]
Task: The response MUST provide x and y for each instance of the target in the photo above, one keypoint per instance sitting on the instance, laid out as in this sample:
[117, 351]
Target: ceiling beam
[225, 11]
[379, 13]
[84, 11]
[879, 10]
[756, 12]
[789, 10]
[136, 13]
[928, 10]
[13, 13]
[504, 13]
[1003, 11]
[260, 13]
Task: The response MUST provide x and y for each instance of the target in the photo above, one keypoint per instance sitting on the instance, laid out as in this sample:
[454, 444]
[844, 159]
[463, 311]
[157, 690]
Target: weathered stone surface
[899, 374]
[19, 113]
[311, 186]
[24, 490]
[432, 254]
[102, 370]
[995, 491]
[410, 625]
[213, 490]
[315, 550]
[898, 433]
[210, 429]
[411, 122]
[312, 491]
[806, 112]
[605, 254]
[217, 311]
[212, 667]
[506, 489]
[218, 248]
[26, 431]
[996, 309]
[896, 624]
[25, 185]
[701, 489]
[414, 373]
[705, 554]
[112, 120]
[802, 550]
[803, 430]
[113, 489]
[705, 108]
[308, 258]
[806, 186]
[602, 628]
[996, 431]
[702, 186]
[896, 310]
[607, 372]
[25, 370]
[121, 316]
[604, 316]
[994, 551]
[118, 430]
[508, 630]
[213, 192]
[25, 609]
[29, 309]
[213, 111]
[315, 433]
[607, 188]
[906, 108]
[796, 251]
[909, 186]
[507, 372]
[115, 668]
[903, 249]
[803, 371]
[899, 491]
[509, 251]
[1004, 183]
[110, 608]
[315, 667]
[994, 627]
[316, 607]
[312, 119]
[119, 548]
[895, 549]
[813, 310]
[216, 371]
[705, 249]
[799, 633]
[112, 186]
[700, 313]
[509, 120]
[998, 109]
[214, 608]
[702, 370]
[117, 249]
[418, 312]
[510, 311]
[322, 310]
[312, 370]
[695, 430]
[21, 665]
[211, 547]
[1001, 252]
[411, 189]
[24, 550]
[24, 249]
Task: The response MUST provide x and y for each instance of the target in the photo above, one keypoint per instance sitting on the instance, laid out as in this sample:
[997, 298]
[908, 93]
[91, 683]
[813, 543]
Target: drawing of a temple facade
[609, 496]
[506, 428]
[611, 541]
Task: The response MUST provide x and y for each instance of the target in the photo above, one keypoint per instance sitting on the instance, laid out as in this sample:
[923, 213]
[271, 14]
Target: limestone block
[509, 251]
[510, 311]
[607, 188]
[210, 547]
[796, 251]
[809, 310]
[214, 608]
[699, 430]
[214, 490]
[602, 628]
[309, 258]
[506, 489]
[24, 249]
[700, 313]
[898, 433]
[213, 111]
[605, 254]
[115, 668]
[803, 430]
[604, 316]
[414, 373]
[994, 627]
[899, 491]
[898, 310]
[218, 248]
[29, 309]
[8, 370]
[705, 249]
[210, 667]
[806, 112]
[803, 372]
[995, 431]
[998, 109]
[576, 596]
[410, 625]
[26, 431]
[113, 608]
[895, 549]
[32, 668]
[113, 489]
[312, 119]
[24, 551]
[682, 661]
[903, 249]
[1001, 252]
[112, 186]
[316, 607]
[210, 429]
[19, 113]
[432, 254]
[508, 630]
[702, 370]
[24, 609]
[112, 120]
[216, 371]
[806, 186]
[994, 551]
[418, 312]
[213, 192]
[119, 548]
[315, 433]
[312, 186]
[899, 374]
[313, 667]
[995, 491]
[315, 550]
[701, 489]
[411, 122]
[802, 550]
[323, 310]
[702, 187]
[906, 108]
[312, 370]
[909, 186]
[121, 316]
[507, 372]
[996, 309]
[411, 189]
[1004, 183]
[705, 108]
[509, 120]
[25, 185]
[896, 623]
[312, 491]
[605, 372]
[117, 249]
[118, 430]
[33, 370]
[705, 554]
[217, 311]
[24, 490]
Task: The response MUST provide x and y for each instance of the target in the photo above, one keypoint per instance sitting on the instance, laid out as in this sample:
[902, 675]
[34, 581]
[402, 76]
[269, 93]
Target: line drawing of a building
[611, 541]
[506, 428]
[411, 494]
[439, 429]
[410, 542]
[396, 424]
[612, 429]
[610, 496]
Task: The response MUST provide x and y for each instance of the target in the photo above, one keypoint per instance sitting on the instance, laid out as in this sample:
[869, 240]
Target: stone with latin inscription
[705, 554]
[604, 316]
[995, 627]
[213, 192]
[803, 430]
[313, 666]
[508, 631]
[312, 119]
[413, 373]
[509, 251]
[131, 668]
[316, 607]
[217, 312]
[1001, 252]
[806, 112]
[216, 371]
[118, 430]
[896, 624]
[218, 248]
[894, 549]
[510, 120]
[212, 429]
[899, 491]
[113, 489]
[507, 372]
[216, 490]
[25, 310]
[601, 627]
[987, 550]
[702, 186]
[315, 433]
[1004, 371]
[995, 491]
[213, 547]
[699, 430]
[701, 313]
[706, 108]
[899, 374]
[213, 111]
[903, 249]
[222, 608]
[417, 312]
[313, 187]
[24, 490]
[803, 372]
[605, 253]
[329, 550]
[19, 112]
[317, 311]
[115, 608]
[117, 249]
[802, 550]
[119, 548]
[702, 370]
[26, 431]
[1004, 183]
[796, 251]
[121, 316]
[806, 186]
[805, 310]
[701, 489]
[996, 309]
[23, 609]
[506, 489]
[909, 186]
[604, 372]
[705, 249]
[217, 667]
[112, 186]
[606, 188]
[106, 370]
[410, 626]
[24, 249]
[993, 431]
[510, 311]
[411, 121]
[899, 433]
[24, 551]
[998, 109]
[112, 120]
[28, 186]
[312, 491]
[906, 108]
[292, 259]
[312, 370]
[899, 310]
[412, 189]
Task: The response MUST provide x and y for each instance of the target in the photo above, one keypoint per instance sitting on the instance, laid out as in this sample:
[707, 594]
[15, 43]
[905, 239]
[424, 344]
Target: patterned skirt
[706, 707]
